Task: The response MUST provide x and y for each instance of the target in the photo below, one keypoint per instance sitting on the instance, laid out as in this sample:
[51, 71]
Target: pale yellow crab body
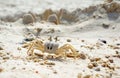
[66, 50]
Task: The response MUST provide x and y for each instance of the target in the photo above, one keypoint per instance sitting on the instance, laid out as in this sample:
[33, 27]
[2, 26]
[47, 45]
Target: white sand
[12, 36]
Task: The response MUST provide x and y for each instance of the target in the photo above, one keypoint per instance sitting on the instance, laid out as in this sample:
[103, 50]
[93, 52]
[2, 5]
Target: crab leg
[30, 49]
[62, 50]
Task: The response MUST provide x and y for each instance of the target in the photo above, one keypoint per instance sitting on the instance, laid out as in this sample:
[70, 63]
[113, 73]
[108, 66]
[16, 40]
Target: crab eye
[51, 48]
[48, 47]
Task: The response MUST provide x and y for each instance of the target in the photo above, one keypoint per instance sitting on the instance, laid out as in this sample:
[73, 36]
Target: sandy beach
[91, 27]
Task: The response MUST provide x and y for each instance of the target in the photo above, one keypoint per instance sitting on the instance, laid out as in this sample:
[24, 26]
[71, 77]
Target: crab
[52, 48]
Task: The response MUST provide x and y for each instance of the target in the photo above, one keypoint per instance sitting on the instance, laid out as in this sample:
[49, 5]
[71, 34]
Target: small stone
[6, 57]
[97, 69]
[104, 65]
[55, 72]
[106, 26]
[56, 38]
[49, 63]
[107, 77]
[116, 47]
[90, 66]
[107, 56]
[8, 53]
[1, 70]
[109, 1]
[51, 30]
[97, 59]
[23, 68]
[111, 60]
[82, 40]
[36, 72]
[103, 41]
[95, 64]
[117, 52]
[113, 28]
[118, 44]
[1, 48]
[41, 63]
[92, 60]
[118, 56]
[50, 38]
[13, 68]
[79, 75]
[19, 48]
[82, 56]
[68, 40]
[111, 67]
[87, 76]
[36, 60]
[28, 18]
[118, 67]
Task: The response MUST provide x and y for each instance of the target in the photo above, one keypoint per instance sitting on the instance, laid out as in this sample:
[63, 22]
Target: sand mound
[63, 16]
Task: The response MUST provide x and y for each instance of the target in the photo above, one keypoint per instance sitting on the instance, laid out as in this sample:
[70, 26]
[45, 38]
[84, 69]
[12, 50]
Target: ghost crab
[53, 49]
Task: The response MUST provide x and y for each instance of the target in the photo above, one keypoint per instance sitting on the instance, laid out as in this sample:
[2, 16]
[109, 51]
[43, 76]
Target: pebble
[28, 18]
[1, 69]
[1, 48]
[90, 66]
[95, 64]
[109, 1]
[6, 57]
[111, 60]
[82, 56]
[68, 40]
[103, 41]
[87, 76]
[97, 69]
[79, 75]
[55, 72]
[106, 26]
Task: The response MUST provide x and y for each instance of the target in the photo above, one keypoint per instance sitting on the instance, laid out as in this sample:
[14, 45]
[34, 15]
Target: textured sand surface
[96, 34]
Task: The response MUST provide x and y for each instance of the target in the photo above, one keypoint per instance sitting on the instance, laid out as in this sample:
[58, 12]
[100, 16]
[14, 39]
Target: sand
[93, 31]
